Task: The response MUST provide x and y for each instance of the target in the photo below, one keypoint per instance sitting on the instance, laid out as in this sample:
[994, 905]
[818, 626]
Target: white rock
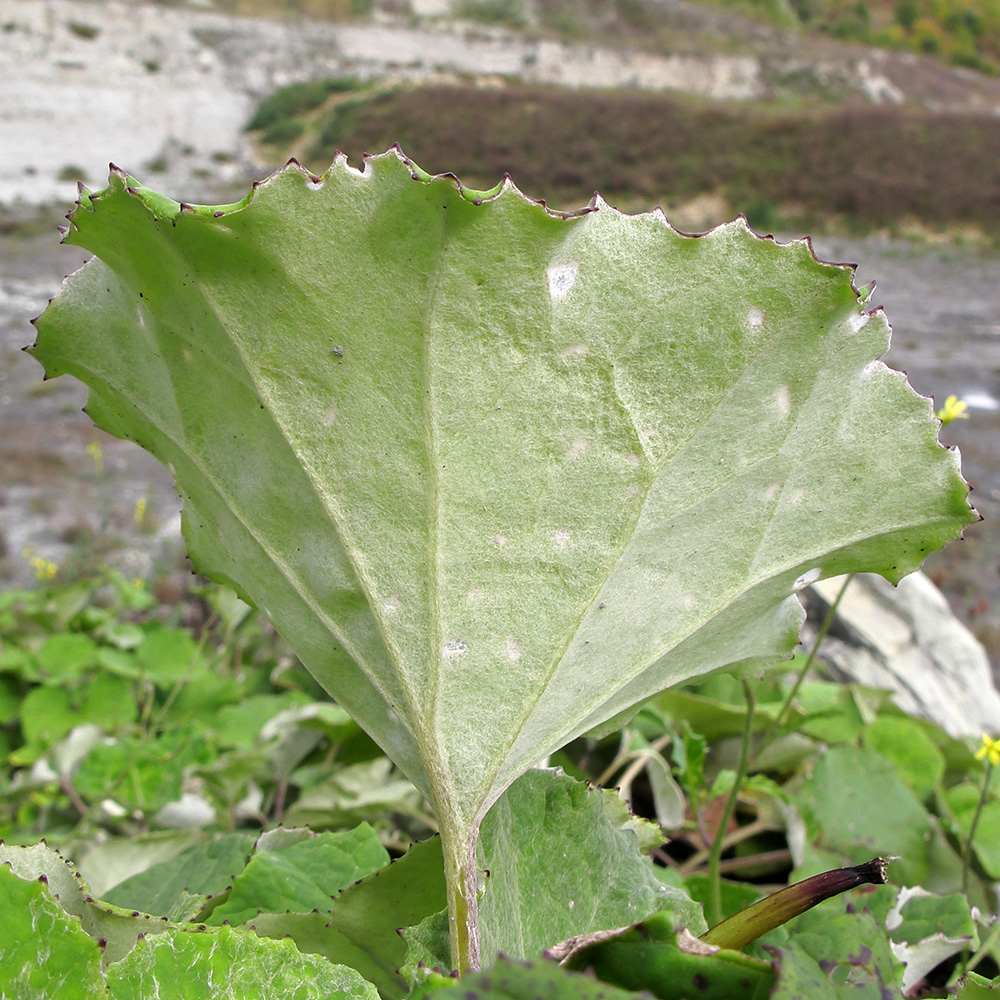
[905, 639]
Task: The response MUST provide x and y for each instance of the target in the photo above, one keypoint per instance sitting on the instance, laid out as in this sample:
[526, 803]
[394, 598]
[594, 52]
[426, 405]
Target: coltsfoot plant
[498, 473]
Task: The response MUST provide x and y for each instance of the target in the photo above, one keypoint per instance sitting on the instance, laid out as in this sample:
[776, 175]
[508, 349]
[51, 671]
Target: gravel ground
[58, 502]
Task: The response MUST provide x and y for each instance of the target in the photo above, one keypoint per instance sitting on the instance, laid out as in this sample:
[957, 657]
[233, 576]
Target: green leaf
[168, 656]
[427, 947]
[65, 656]
[117, 928]
[582, 864]
[47, 714]
[229, 964]
[139, 773]
[303, 876]
[44, 952]
[362, 930]
[514, 980]
[497, 474]
[11, 696]
[361, 791]
[962, 800]
[854, 802]
[708, 718]
[675, 966]
[109, 863]
[972, 986]
[928, 929]
[844, 958]
[202, 870]
[903, 742]
[239, 725]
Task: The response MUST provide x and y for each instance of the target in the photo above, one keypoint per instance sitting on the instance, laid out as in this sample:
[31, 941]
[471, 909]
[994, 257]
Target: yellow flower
[44, 569]
[990, 748]
[95, 451]
[953, 409]
[140, 510]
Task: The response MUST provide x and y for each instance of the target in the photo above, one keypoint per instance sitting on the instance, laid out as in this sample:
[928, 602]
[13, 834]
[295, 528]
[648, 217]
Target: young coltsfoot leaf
[202, 869]
[513, 980]
[118, 929]
[302, 876]
[855, 804]
[230, 964]
[847, 957]
[363, 927]
[585, 870]
[44, 952]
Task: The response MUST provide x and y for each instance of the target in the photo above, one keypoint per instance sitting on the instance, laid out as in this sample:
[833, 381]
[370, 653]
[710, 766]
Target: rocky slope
[166, 90]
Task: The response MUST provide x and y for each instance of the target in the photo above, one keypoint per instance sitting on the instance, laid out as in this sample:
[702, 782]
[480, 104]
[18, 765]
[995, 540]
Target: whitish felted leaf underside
[498, 474]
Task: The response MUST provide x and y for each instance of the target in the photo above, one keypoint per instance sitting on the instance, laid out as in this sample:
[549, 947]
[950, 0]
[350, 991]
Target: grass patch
[297, 99]
[283, 132]
[506, 13]
[88, 32]
[872, 165]
[323, 10]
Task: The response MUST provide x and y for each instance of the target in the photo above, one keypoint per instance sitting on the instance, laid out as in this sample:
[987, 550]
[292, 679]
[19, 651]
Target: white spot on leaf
[579, 446]
[634, 460]
[500, 540]
[561, 277]
[391, 604]
[755, 317]
[857, 320]
[455, 647]
[514, 649]
[563, 536]
[476, 593]
[772, 491]
[783, 397]
[576, 349]
[810, 576]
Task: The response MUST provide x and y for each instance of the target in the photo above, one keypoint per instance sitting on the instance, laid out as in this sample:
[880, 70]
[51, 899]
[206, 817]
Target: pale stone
[905, 639]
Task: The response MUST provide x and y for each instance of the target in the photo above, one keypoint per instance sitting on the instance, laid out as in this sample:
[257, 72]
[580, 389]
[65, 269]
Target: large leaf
[499, 474]
[601, 880]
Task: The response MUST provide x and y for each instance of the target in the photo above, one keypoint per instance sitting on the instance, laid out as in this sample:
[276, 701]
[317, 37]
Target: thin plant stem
[967, 853]
[458, 844]
[779, 720]
[985, 948]
[639, 759]
[715, 852]
[693, 863]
